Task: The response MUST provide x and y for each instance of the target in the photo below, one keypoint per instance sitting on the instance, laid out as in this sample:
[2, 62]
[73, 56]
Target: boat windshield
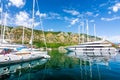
[20, 48]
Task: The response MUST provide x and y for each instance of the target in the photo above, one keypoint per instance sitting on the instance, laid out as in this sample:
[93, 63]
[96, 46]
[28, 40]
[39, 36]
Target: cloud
[109, 12]
[115, 39]
[42, 15]
[89, 13]
[92, 21]
[72, 12]
[96, 15]
[106, 3]
[66, 18]
[5, 19]
[82, 23]
[49, 15]
[22, 19]
[102, 5]
[8, 21]
[50, 30]
[74, 21]
[52, 15]
[37, 13]
[9, 4]
[0, 9]
[110, 19]
[36, 24]
[7, 16]
[17, 3]
[115, 8]
[71, 21]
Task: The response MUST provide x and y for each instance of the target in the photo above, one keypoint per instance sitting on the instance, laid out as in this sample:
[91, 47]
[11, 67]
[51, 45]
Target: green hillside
[53, 39]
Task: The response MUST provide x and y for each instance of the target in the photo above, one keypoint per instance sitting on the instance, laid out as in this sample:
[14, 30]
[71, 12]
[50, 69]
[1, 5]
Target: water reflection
[94, 58]
[19, 69]
[95, 61]
[66, 66]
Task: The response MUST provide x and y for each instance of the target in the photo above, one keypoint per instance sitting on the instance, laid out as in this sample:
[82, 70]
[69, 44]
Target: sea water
[66, 66]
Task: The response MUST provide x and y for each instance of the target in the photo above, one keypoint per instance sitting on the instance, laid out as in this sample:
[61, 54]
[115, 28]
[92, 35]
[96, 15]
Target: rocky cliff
[53, 39]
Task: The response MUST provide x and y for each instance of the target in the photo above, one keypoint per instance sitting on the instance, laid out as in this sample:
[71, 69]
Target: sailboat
[3, 42]
[95, 46]
[14, 53]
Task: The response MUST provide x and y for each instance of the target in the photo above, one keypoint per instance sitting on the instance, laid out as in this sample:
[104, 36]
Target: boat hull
[13, 59]
[111, 50]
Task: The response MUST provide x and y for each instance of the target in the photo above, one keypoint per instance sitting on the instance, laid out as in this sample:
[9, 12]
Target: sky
[65, 15]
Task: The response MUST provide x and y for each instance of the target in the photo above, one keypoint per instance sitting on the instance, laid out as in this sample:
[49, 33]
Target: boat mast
[32, 25]
[79, 34]
[4, 26]
[23, 35]
[83, 32]
[87, 28]
[94, 31]
[1, 17]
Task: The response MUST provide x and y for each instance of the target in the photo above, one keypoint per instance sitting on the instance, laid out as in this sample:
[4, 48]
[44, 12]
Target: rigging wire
[41, 25]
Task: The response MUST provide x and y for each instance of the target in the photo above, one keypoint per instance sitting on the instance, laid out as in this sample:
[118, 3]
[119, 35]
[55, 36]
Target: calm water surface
[66, 66]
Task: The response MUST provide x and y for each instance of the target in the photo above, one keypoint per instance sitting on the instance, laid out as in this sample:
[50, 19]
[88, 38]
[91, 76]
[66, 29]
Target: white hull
[92, 49]
[12, 58]
[97, 46]
[19, 53]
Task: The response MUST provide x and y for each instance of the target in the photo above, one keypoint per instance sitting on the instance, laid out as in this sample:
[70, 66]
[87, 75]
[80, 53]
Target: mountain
[53, 39]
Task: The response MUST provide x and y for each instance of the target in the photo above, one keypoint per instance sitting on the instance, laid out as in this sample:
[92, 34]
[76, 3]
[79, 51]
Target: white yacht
[21, 54]
[96, 46]
[13, 53]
